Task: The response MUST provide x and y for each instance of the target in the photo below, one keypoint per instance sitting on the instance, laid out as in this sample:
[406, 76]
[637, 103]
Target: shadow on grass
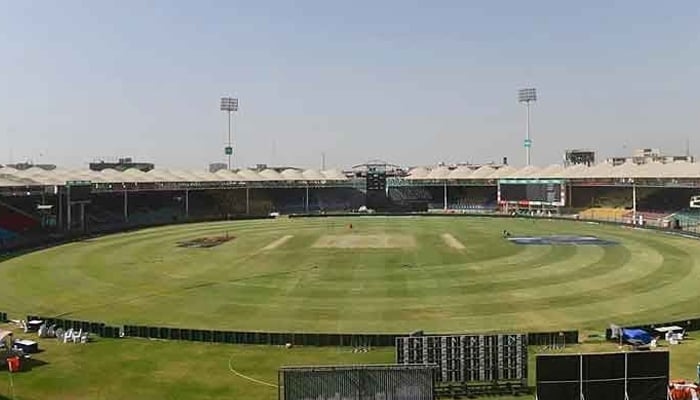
[28, 364]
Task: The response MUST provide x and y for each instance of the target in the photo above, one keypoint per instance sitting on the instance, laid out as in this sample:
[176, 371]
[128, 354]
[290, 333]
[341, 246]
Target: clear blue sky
[411, 82]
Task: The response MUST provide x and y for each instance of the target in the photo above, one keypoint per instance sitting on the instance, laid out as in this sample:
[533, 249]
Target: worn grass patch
[205, 242]
[277, 243]
[365, 241]
[452, 241]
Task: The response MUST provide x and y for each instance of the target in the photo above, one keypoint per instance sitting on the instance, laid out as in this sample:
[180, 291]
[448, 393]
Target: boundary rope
[240, 375]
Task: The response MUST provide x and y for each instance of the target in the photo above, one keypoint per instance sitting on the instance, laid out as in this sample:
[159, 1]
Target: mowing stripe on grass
[277, 243]
[142, 278]
[452, 242]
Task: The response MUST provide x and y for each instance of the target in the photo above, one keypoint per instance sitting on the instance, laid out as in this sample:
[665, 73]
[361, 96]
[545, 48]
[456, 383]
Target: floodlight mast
[230, 105]
[527, 96]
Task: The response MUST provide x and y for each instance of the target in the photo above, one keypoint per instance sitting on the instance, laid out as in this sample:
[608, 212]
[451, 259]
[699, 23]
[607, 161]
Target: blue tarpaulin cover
[636, 336]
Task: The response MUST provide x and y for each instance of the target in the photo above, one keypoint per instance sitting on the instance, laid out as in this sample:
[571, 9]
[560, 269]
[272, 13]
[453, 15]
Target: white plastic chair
[77, 335]
[68, 335]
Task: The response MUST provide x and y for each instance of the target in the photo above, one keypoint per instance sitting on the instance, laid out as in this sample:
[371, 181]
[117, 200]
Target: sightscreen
[609, 376]
[80, 191]
[396, 382]
[467, 358]
[535, 192]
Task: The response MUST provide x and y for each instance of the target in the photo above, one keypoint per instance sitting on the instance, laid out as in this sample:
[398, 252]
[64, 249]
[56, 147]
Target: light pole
[230, 105]
[527, 96]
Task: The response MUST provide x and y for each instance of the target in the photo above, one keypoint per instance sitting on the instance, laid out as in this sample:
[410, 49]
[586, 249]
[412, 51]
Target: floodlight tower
[230, 105]
[527, 96]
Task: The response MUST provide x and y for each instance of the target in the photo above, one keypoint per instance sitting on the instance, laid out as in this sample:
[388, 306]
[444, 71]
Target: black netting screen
[613, 376]
[357, 383]
[467, 358]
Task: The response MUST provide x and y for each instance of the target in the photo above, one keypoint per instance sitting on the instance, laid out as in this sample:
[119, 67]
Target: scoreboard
[535, 192]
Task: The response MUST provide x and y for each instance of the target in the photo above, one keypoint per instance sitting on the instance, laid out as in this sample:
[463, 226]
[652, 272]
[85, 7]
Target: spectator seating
[688, 218]
[16, 221]
[6, 235]
[604, 214]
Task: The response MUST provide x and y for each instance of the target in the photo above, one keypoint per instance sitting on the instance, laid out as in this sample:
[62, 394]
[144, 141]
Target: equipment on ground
[682, 390]
[9, 356]
[636, 337]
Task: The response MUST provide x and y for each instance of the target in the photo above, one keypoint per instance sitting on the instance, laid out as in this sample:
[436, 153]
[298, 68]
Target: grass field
[113, 369]
[440, 274]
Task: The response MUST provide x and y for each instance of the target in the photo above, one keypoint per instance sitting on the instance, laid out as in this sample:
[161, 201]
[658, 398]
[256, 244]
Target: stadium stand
[472, 198]
[689, 218]
[659, 219]
[162, 196]
[15, 220]
[6, 235]
[413, 198]
[604, 214]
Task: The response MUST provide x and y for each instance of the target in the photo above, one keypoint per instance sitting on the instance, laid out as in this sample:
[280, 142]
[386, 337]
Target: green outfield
[397, 274]
[115, 369]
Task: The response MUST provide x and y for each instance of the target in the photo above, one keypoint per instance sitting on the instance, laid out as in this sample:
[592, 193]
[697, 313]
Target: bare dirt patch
[205, 242]
[277, 243]
[352, 241]
[452, 241]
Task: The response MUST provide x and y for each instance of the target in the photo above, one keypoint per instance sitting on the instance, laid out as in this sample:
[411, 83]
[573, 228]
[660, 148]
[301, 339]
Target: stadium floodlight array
[527, 96]
[230, 105]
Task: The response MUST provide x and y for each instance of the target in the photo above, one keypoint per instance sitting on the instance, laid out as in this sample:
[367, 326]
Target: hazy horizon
[405, 82]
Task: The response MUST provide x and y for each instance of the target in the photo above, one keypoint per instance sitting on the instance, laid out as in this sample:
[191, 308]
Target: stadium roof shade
[650, 170]
[552, 171]
[159, 175]
[680, 169]
[461, 172]
[189, 176]
[628, 170]
[97, 177]
[602, 170]
[292, 175]
[205, 176]
[502, 172]
[249, 175]
[334, 174]
[10, 180]
[576, 171]
[271, 174]
[483, 172]
[693, 170]
[228, 176]
[418, 173]
[56, 177]
[136, 174]
[33, 171]
[440, 172]
[312, 175]
[527, 172]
